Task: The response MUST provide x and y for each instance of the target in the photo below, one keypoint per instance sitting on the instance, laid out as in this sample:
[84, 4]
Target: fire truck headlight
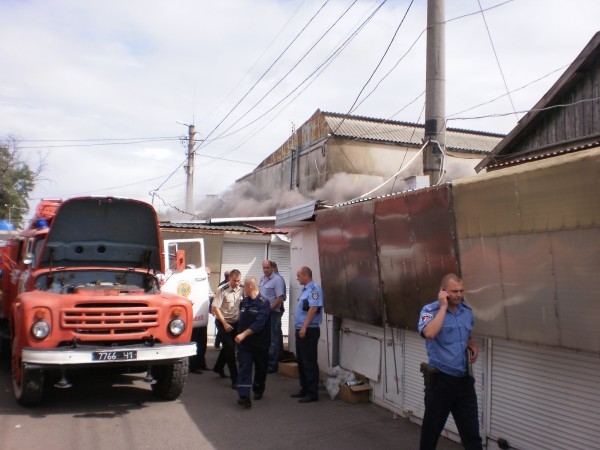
[177, 327]
[40, 330]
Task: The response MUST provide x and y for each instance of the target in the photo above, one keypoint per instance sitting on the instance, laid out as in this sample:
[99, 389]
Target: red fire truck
[80, 288]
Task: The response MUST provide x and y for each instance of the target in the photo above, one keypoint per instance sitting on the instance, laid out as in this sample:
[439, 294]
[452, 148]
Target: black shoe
[197, 371]
[271, 370]
[221, 373]
[234, 385]
[204, 367]
[298, 394]
[257, 396]
[245, 402]
[308, 399]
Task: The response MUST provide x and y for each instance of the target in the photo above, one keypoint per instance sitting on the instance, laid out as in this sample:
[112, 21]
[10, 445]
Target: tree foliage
[17, 180]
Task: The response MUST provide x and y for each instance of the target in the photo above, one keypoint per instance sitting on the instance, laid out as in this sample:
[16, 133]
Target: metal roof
[242, 228]
[408, 133]
[299, 215]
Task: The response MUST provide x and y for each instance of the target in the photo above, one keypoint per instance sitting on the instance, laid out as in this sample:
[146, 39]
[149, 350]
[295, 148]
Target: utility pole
[189, 171]
[435, 91]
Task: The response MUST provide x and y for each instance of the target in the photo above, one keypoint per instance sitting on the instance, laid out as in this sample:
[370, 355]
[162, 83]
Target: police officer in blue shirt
[253, 340]
[449, 387]
[307, 320]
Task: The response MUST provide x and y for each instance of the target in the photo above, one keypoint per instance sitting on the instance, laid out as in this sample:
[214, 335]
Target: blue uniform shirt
[255, 314]
[312, 295]
[272, 287]
[448, 350]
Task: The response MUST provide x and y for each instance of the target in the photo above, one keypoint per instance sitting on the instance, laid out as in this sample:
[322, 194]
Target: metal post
[189, 188]
[435, 94]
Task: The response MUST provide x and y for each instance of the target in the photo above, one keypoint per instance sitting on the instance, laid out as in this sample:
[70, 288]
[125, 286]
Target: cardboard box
[289, 369]
[360, 393]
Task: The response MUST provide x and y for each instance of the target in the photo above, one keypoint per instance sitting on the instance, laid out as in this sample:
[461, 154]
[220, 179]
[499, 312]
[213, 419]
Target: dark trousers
[276, 340]
[248, 357]
[454, 395]
[199, 336]
[227, 353]
[308, 366]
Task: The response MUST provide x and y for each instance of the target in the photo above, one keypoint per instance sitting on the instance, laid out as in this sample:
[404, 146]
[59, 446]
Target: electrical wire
[96, 144]
[513, 91]
[257, 59]
[319, 40]
[498, 60]
[268, 69]
[548, 108]
[307, 81]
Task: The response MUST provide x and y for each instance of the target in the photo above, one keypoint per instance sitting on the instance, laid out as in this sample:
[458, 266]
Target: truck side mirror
[28, 258]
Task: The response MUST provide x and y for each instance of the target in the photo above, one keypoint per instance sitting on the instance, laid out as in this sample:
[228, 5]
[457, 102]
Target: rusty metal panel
[528, 287]
[553, 194]
[528, 244]
[348, 262]
[480, 266]
[576, 258]
[416, 248]
[537, 288]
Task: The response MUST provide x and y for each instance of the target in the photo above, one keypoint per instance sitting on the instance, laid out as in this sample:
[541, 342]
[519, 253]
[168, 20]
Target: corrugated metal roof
[408, 133]
[299, 215]
[203, 226]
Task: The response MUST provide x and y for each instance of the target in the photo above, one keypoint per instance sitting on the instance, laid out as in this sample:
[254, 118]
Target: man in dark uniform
[253, 343]
[449, 388]
[307, 321]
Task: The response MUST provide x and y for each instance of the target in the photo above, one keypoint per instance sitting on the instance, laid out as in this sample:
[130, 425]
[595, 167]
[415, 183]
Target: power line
[268, 69]
[307, 81]
[319, 40]
[94, 144]
[497, 60]
[548, 108]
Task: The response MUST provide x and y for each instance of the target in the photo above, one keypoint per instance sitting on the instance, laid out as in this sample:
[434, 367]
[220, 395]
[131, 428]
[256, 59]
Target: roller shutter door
[414, 394]
[247, 257]
[543, 398]
[281, 255]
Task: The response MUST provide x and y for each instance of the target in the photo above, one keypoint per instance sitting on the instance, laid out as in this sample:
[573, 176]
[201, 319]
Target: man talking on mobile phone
[446, 324]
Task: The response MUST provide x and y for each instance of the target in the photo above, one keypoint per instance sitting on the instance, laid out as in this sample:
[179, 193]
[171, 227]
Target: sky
[101, 93]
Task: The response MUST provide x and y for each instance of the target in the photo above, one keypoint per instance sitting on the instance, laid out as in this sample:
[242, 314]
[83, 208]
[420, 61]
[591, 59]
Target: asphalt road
[113, 413]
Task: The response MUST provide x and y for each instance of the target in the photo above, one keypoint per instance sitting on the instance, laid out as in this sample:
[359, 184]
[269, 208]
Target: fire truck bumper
[123, 355]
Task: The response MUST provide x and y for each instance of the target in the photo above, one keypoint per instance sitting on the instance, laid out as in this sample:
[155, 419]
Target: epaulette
[432, 306]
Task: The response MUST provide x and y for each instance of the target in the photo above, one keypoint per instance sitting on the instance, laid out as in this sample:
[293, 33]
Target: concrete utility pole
[435, 91]
[189, 171]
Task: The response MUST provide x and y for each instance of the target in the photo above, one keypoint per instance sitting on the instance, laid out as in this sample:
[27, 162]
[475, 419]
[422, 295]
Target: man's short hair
[448, 277]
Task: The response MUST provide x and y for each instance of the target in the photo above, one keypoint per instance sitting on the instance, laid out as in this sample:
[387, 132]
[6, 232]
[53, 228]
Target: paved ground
[280, 422]
[108, 412]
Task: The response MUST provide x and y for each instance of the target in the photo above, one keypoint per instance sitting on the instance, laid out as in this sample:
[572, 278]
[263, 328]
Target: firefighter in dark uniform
[253, 341]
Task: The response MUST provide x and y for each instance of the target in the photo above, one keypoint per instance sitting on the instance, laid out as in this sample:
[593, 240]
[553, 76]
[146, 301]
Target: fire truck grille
[109, 319]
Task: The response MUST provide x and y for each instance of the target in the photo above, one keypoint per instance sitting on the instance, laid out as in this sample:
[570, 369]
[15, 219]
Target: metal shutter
[543, 398]
[414, 395]
[247, 257]
[281, 255]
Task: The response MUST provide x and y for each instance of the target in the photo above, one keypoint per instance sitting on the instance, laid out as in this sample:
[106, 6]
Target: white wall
[304, 251]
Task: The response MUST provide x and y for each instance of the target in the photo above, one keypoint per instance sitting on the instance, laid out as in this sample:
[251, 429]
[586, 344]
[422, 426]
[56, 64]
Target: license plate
[114, 356]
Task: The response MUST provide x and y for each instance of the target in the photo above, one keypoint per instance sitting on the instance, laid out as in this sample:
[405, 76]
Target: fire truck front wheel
[169, 379]
[28, 385]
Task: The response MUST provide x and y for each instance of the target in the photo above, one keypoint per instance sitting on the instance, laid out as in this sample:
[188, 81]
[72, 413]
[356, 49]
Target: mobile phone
[469, 364]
